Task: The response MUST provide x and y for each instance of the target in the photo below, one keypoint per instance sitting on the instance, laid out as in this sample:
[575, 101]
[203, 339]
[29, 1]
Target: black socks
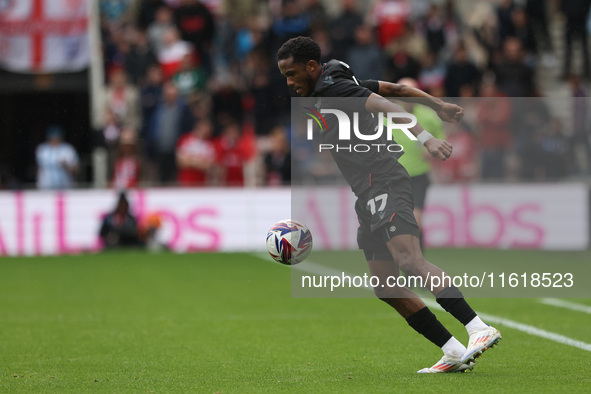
[452, 300]
[424, 322]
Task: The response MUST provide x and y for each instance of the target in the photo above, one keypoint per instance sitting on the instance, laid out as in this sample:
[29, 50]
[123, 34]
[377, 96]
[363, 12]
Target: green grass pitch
[138, 322]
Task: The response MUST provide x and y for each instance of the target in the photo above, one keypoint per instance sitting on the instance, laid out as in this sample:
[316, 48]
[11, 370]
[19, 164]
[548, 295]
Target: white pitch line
[566, 304]
[524, 328]
[317, 269]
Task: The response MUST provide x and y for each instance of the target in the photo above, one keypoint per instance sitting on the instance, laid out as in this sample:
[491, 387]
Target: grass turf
[136, 322]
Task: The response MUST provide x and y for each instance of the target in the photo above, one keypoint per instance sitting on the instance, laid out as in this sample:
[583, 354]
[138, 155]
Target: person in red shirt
[195, 155]
[496, 135]
[389, 17]
[173, 52]
[231, 155]
[462, 165]
[126, 169]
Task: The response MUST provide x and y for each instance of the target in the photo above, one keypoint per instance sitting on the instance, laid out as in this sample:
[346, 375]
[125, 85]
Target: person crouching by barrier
[119, 228]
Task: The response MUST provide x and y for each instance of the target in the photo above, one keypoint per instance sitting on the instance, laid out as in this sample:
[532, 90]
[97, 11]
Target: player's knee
[387, 293]
[409, 262]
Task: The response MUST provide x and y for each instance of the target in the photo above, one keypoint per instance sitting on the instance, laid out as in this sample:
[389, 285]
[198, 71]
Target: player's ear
[312, 65]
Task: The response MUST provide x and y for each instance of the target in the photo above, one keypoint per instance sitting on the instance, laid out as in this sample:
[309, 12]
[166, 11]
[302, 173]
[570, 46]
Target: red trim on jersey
[392, 216]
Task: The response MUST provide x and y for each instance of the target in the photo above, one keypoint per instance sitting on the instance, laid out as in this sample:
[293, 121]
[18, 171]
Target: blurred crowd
[193, 96]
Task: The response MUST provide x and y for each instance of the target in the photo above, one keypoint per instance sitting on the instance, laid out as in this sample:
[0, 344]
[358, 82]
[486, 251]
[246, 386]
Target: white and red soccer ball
[289, 242]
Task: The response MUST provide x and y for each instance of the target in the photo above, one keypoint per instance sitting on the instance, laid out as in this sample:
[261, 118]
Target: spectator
[139, 58]
[117, 49]
[111, 133]
[530, 125]
[495, 135]
[389, 17]
[412, 41]
[513, 77]
[342, 29]
[462, 165]
[173, 52]
[453, 24]
[231, 155]
[278, 159]
[227, 101]
[532, 165]
[486, 35]
[150, 96]
[111, 128]
[196, 25]
[57, 161]
[122, 99]
[432, 73]
[147, 12]
[554, 147]
[292, 22]
[262, 91]
[115, 13]
[405, 55]
[189, 80]
[119, 228]
[322, 38]
[163, 21]
[576, 13]
[435, 30]
[461, 71]
[246, 39]
[523, 31]
[171, 118]
[126, 170]
[317, 14]
[505, 24]
[365, 57]
[195, 155]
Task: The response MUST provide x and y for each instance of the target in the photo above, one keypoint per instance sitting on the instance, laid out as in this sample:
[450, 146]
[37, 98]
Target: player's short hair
[302, 49]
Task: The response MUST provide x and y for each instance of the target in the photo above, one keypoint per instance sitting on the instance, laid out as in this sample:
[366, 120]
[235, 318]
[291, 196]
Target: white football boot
[448, 364]
[480, 341]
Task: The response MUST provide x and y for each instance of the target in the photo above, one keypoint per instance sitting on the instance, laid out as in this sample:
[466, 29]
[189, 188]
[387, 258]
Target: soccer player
[388, 232]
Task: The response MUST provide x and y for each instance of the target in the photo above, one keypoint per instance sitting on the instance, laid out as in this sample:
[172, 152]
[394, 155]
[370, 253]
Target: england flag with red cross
[44, 36]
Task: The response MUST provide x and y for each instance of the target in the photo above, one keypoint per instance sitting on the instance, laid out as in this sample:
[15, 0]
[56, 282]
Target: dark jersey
[359, 167]
[371, 84]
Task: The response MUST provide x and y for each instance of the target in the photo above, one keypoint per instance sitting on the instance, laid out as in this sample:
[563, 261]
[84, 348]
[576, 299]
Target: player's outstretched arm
[436, 147]
[446, 111]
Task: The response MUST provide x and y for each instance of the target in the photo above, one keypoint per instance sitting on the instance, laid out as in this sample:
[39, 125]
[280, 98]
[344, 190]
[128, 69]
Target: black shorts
[385, 210]
[420, 183]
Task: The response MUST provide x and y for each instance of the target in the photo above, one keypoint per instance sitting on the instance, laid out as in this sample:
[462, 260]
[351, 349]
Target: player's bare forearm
[446, 111]
[436, 147]
[408, 94]
[376, 103]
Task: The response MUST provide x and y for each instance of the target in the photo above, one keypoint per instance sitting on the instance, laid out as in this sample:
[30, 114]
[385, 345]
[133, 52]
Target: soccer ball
[289, 242]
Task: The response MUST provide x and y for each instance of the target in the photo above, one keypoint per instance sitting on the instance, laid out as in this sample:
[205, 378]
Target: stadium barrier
[532, 216]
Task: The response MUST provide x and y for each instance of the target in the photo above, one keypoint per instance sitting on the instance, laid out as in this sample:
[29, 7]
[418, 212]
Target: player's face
[300, 76]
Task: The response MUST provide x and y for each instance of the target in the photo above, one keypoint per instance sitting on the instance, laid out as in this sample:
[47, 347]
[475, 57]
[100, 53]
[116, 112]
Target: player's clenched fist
[450, 112]
[438, 148]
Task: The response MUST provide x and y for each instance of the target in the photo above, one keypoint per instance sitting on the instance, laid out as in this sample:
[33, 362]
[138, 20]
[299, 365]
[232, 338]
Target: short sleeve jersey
[359, 168]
